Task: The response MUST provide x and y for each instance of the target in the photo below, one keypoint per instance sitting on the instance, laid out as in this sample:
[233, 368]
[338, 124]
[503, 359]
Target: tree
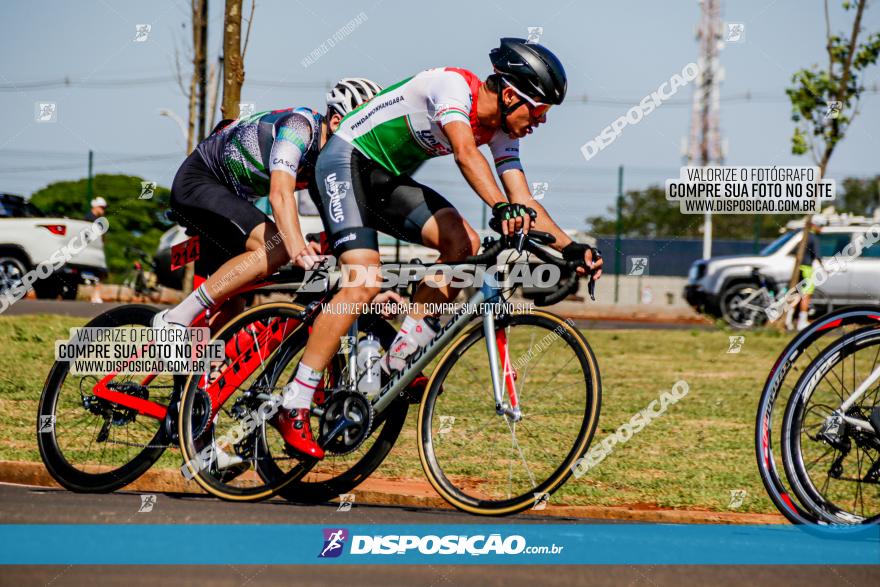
[233, 63]
[233, 56]
[825, 101]
[861, 196]
[133, 222]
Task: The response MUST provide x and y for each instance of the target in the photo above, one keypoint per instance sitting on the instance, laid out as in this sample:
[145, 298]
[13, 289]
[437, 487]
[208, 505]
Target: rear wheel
[797, 357]
[92, 445]
[230, 445]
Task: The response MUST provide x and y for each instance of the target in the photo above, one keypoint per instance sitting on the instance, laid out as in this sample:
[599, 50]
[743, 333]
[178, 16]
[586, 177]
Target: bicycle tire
[765, 455]
[59, 467]
[436, 476]
[190, 394]
[792, 450]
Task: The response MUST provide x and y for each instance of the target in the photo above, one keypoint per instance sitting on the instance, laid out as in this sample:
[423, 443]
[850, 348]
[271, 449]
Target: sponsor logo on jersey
[349, 237]
[285, 162]
[336, 190]
[375, 109]
[429, 143]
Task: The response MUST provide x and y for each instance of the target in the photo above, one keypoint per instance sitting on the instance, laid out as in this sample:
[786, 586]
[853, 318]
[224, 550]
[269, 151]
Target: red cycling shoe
[297, 432]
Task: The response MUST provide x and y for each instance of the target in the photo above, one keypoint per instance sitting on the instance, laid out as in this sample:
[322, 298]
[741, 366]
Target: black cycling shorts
[357, 197]
[211, 209]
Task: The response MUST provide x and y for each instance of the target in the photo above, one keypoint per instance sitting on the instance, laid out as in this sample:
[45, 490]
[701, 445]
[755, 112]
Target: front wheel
[833, 464]
[490, 464]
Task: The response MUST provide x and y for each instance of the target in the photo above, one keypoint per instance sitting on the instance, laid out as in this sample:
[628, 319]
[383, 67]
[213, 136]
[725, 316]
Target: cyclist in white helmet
[216, 190]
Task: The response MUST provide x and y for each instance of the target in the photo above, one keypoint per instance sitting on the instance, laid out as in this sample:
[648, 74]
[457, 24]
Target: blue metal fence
[672, 257]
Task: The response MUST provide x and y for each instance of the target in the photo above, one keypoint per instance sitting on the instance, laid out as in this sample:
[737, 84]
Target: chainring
[201, 411]
[346, 422]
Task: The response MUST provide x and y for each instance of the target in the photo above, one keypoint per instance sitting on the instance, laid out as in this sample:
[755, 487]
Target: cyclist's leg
[409, 210]
[339, 182]
[806, 296]
[229, 226]
[403, 207]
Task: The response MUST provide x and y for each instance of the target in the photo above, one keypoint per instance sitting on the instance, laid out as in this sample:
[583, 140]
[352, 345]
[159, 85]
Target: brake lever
[519, 237]
[591, 288]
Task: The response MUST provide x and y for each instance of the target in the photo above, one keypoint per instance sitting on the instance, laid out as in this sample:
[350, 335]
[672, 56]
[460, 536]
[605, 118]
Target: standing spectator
[99, 208]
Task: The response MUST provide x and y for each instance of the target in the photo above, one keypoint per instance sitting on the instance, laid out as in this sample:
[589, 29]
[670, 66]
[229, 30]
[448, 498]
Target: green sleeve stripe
[288, 134]
[504, 160]
[450, 111]
[241, 149]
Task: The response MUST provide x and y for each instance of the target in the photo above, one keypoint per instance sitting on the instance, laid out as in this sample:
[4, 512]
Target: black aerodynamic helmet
[530, 68]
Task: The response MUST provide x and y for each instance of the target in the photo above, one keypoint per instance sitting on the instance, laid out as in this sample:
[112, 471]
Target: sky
[615, 53]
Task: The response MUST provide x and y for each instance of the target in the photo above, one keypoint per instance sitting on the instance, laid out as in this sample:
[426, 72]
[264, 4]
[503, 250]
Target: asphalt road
[42, 506]
[89, 310]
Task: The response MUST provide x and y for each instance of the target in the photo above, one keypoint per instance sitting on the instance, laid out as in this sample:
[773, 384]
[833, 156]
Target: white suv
[715, 282]
[28, 238]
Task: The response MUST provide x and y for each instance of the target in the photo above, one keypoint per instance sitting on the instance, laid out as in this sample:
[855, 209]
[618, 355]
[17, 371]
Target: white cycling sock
[298, 393]
[192, 305]
[413, 334]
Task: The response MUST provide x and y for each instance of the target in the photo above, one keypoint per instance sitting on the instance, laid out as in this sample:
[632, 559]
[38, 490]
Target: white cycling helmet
[351, 92]
[819, 220]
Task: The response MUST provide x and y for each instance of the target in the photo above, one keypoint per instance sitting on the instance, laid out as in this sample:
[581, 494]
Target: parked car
[28, 237]
[715, 284]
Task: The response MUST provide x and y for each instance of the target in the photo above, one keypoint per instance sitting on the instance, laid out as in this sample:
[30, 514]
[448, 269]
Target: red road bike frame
[240, 367]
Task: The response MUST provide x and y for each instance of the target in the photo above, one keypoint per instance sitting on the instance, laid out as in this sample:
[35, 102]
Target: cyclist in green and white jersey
[364, 183]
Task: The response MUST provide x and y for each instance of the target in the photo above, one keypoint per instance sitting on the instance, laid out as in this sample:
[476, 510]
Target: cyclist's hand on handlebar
[512, 218]
[590, 257]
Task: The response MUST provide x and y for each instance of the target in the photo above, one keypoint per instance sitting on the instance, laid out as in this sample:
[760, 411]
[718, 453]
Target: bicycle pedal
[415, 391]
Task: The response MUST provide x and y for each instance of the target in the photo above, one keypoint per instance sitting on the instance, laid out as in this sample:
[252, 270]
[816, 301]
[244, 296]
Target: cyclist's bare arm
[472, 164]
[282, 197]
[517, 188]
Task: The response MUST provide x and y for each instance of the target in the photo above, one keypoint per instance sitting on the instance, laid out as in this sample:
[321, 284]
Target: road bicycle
[100, 433]
[140, 282]
[745, 306]
[828, 380]
[511, 404]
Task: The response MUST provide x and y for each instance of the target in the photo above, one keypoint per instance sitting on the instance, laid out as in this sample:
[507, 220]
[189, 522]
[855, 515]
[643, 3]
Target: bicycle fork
[500, 369]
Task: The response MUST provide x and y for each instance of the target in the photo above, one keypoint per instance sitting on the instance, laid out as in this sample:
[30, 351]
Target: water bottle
[369, 376]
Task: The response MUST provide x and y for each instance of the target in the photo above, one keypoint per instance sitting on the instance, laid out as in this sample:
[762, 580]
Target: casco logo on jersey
[334, 542]
[285, 162]
[336, 190]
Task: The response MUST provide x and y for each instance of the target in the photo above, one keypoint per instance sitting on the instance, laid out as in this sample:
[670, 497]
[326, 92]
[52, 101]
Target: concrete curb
[408, 493]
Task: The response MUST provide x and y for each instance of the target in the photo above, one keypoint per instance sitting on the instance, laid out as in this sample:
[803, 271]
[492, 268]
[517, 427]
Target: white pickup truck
[28, 238]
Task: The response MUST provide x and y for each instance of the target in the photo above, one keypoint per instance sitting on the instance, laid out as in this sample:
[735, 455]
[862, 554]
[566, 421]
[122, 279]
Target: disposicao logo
[334, 542]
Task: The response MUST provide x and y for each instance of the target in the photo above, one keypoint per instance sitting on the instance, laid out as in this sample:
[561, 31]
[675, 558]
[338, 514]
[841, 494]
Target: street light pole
[180, 123]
